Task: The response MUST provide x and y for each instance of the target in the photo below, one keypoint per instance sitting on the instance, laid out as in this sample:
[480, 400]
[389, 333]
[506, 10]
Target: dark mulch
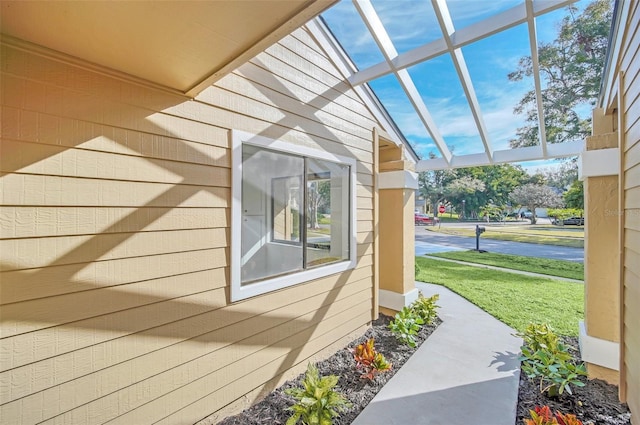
[595, 403]
[272, 409]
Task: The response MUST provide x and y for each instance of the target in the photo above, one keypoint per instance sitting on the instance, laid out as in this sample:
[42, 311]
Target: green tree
[535, 196]
[466, 194]
[574, 197]
[431, 185]
[499, 182]
[571, 68]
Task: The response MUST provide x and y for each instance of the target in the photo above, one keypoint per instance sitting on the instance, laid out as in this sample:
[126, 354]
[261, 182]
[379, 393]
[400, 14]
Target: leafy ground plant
[317, 402]
[546, 359]
[543, 416]
[426, 308]
[369, 360]
[406, 325]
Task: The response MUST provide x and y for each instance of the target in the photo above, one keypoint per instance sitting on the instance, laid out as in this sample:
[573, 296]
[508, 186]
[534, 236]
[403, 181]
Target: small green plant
[543, 416]
[369, 360]
[406, 325]
[426, 307]
[545, 358]
[317, 402]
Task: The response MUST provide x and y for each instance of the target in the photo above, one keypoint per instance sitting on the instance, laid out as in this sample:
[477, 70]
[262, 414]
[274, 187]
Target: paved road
[429, 242]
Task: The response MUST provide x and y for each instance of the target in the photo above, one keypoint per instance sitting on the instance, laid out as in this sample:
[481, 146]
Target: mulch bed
[272, 409]
[596, 403]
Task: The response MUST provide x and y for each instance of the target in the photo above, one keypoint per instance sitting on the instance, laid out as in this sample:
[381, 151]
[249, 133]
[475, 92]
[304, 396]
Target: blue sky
[411, 23]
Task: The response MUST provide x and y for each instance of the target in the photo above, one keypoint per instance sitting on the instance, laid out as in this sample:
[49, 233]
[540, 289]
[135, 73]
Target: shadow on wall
[179, 302]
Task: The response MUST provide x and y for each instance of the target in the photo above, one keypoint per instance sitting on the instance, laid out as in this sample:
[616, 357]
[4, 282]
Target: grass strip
[516, 237]
[515, 300]
[561, 268]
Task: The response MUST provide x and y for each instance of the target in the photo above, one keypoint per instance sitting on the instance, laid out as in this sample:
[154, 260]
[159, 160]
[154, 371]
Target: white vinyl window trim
[240, 291]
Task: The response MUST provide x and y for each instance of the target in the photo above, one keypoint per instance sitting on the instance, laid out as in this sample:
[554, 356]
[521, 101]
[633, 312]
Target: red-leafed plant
[369, 360]
[543, 416]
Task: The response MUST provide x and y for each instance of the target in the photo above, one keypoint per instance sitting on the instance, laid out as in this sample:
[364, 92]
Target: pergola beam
[446, 25]
[533, 45]
[460, 38]
[382, 39]
[530, 153]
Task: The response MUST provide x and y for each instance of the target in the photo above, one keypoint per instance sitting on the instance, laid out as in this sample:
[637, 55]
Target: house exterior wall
[621, 103]
[629, 64]
[115, 239]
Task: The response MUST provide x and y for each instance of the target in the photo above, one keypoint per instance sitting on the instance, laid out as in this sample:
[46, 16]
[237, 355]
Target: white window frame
[240, 292]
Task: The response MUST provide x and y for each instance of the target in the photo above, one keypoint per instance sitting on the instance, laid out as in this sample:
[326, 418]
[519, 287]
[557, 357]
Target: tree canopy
[535, 196]
[570, 68]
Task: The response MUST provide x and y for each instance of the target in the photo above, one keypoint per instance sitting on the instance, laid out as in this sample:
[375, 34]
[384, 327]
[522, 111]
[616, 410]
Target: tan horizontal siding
[116, 220]
[239, 379]
[38, 127]
[46, 221]
[36, 190]
[197, 355]
[18, 254]
[629, 58]
[313, 94]
[62, 161]
[264, 89]
[331, 90]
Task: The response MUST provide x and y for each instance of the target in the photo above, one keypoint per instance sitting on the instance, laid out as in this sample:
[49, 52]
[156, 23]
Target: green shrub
[545, 358]
[425, 307]
[317, 402]
[406, 325]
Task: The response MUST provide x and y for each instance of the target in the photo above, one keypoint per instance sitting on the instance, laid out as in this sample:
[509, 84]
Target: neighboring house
[610, 167]
[154, 260]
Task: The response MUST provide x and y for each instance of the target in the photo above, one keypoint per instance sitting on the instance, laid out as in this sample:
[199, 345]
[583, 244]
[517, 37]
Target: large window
[293, 215]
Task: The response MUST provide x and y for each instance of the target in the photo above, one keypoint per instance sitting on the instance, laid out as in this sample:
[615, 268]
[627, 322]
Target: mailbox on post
[479, 231]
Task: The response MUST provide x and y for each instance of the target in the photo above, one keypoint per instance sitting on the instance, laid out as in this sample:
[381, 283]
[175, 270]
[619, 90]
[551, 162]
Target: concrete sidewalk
[466, 372]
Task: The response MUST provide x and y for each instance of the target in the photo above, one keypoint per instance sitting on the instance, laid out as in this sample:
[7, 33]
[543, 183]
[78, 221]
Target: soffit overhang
[181, 45]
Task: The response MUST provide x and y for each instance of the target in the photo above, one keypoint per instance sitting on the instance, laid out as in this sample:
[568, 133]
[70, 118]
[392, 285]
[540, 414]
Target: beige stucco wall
[623, 109]
[115, 237]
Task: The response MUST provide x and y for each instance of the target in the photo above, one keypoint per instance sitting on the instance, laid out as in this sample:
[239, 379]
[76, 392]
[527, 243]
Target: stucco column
[600, 331]
[397, 239]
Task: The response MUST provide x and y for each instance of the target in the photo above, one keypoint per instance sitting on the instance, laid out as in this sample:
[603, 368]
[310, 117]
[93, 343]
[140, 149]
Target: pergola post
[600, 331]
[397, 185]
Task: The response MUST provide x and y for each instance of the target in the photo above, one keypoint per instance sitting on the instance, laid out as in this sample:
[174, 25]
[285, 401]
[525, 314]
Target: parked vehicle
[425, 220]
[575, 221]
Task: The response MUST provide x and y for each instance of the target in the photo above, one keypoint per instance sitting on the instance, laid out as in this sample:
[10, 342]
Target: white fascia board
[530, 153]
[598, 163]
[599, 351]
[432, 164]
[469, 160]
[400, 179]
[563, 150]
[396, 301]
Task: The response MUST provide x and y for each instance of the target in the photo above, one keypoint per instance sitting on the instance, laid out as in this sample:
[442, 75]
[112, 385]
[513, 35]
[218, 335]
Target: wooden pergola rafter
[451, 43]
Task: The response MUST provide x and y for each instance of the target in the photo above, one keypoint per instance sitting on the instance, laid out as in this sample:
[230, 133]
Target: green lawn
[515, 300]
[546, 266]
[551, 237]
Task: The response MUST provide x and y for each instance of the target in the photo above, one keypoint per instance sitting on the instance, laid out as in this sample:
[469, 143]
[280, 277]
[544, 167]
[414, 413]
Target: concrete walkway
[466, 372]
[502, 269]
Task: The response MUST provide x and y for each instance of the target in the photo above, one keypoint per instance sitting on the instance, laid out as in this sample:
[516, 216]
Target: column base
[395, 301]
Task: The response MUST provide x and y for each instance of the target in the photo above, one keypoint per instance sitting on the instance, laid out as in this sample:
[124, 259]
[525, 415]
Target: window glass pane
[270, 197]
[286, 208]
[327, 212]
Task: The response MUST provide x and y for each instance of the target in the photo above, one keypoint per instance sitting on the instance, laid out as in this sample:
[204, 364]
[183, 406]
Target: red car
[425, 220]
